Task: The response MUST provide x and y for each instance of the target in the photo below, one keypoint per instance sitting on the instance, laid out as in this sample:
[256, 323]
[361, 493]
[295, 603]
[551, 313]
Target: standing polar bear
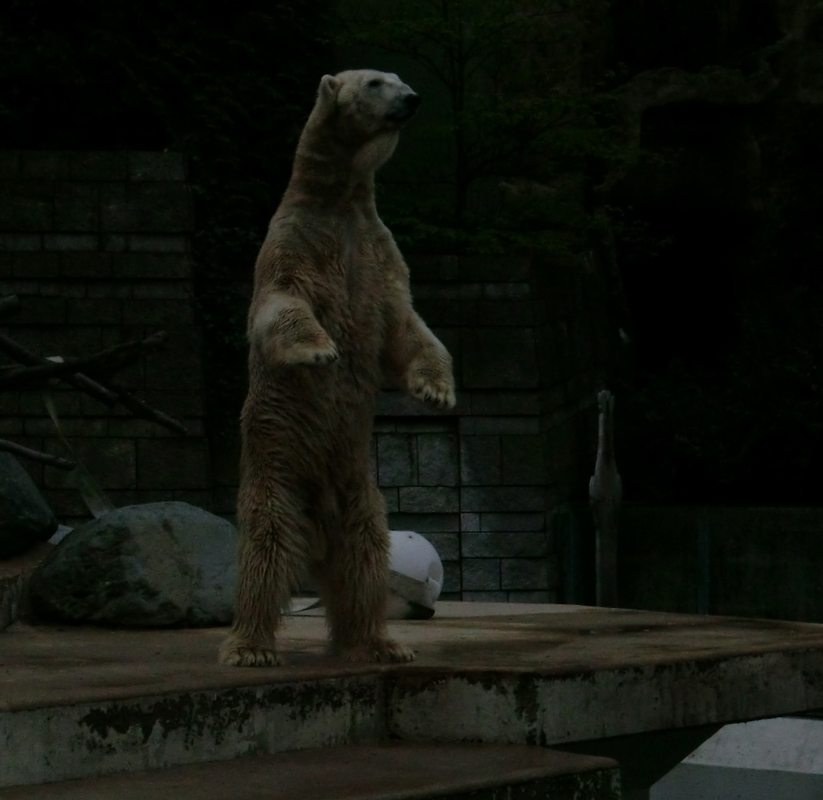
[331, 321]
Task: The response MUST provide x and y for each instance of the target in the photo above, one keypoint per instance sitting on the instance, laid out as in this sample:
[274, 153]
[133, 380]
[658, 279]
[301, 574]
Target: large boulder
[152, 565]
[11, 588]
[25, 518]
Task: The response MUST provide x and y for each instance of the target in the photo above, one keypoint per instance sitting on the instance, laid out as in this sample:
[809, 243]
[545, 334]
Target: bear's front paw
[248, 656]
[440, 392]
[385, 650]
[312, 354]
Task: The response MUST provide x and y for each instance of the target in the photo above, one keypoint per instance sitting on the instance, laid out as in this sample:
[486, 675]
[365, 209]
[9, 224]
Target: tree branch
[79, 381]
[110, 360]
[110, 394]
[142, 409]
[414, 53]
[36, 455]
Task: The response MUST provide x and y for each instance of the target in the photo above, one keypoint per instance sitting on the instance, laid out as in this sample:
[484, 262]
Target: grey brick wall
[96, 245]
[484, 481]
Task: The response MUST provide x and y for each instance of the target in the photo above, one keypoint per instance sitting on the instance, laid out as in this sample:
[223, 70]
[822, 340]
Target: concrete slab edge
[547, 710]
[88, 739]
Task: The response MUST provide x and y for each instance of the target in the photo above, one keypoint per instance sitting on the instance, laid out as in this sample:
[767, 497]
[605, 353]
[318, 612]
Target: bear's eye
[374, 83]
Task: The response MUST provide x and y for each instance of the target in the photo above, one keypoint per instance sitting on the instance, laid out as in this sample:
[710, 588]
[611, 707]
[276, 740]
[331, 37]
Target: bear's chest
[350, 302]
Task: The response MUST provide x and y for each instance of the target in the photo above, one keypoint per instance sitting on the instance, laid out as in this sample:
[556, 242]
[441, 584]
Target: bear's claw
[241, 656]
[308, 354]
[440, 393]
[326, 356]
[378, 652]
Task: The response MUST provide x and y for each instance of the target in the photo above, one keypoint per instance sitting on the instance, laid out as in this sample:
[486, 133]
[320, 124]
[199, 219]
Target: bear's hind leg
[353, 582]
[270, 563]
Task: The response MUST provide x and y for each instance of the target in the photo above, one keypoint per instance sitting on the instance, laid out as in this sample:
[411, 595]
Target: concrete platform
[78, 702]
[760, 760]
[389, 771]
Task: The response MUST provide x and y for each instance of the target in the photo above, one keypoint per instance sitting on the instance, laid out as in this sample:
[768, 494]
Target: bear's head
[365, 109]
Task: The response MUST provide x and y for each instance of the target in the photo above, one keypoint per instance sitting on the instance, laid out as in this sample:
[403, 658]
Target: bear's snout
[405, 107]
[412, 101]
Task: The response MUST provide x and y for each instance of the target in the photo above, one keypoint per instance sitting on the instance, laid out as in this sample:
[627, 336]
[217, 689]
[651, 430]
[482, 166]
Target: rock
[61, 533]
[25, 518]
[11, 587]
[15, 575]
[152, 565]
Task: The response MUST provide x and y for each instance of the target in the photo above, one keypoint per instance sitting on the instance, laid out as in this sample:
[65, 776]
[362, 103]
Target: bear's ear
[329, 86]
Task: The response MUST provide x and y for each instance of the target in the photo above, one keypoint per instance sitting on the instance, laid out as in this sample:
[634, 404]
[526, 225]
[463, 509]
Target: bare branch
[85, 384]
[107, 393]
[36, 455]
[499, 33]
[142, 409]
[110, 360]
[416, 53]
[487, 157]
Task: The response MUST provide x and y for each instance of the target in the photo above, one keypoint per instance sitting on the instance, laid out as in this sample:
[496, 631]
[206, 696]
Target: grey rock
[61, 533]
[11, 588]
[153, 565]
[25, 518]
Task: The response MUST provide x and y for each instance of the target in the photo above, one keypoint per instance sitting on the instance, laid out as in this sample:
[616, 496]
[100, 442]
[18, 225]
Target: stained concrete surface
[77, 702]
[45, 664]
[391, 771]
[62, 664]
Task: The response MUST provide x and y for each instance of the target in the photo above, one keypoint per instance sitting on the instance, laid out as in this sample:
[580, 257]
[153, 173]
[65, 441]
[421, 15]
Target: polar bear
[331, 321]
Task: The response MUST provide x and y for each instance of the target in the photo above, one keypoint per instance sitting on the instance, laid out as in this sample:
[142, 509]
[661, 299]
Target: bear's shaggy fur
[331, 321]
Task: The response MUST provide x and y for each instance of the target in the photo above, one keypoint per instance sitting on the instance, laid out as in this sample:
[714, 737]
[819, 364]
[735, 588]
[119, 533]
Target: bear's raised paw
[241, 656]
[308, 354]
[440, 393]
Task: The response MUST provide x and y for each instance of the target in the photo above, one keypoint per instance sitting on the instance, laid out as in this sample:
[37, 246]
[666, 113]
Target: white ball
[415, 573]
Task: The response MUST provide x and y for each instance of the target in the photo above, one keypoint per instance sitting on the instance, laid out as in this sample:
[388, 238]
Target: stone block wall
[96, 245]
[473, 486]
[485, 481]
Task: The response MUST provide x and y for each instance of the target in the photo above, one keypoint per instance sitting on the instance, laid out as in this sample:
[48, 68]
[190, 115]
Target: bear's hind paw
[244, 656]
[383, 651]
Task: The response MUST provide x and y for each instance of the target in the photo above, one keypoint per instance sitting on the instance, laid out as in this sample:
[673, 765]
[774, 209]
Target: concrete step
[82, 703]
[388, 771]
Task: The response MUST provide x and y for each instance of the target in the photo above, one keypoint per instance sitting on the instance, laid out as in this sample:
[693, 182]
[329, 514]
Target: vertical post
[704, 564]
[567, 535]
[607, 567]
[605, 496]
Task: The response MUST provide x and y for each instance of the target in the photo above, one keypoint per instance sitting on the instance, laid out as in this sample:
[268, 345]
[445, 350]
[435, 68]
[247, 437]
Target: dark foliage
[728, 402]
[728, 399]
[513, 122]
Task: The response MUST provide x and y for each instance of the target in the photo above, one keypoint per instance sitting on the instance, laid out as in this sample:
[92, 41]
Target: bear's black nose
[412, 101]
